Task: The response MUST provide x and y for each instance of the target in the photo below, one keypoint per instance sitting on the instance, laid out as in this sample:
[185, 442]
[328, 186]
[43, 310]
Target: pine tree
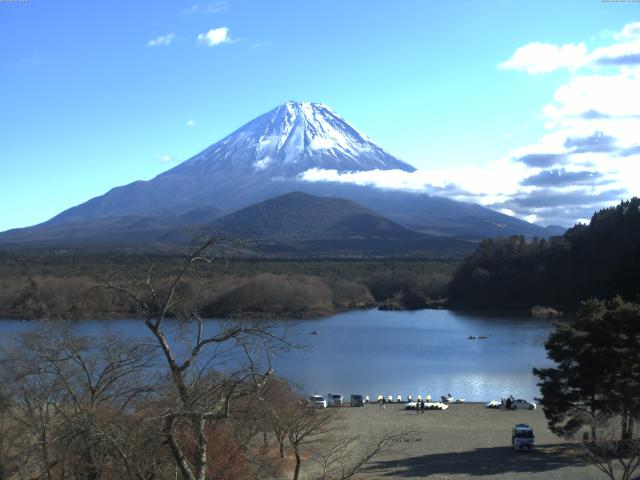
[598, 369]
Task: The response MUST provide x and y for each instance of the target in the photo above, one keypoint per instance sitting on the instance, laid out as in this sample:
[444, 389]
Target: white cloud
[165, 158]
[162, 41]
[33, 60]
[502, 187]
[211, 7]
[215, 36]
[484, 185]
[539, 57]
[588, 159]
[608, 97]
[261, 44]
[593, 124]
[191, 123]
[630, 31]
[618, 54]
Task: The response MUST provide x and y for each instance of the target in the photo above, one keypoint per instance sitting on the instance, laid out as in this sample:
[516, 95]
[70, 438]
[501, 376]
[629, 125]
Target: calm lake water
[390, 353]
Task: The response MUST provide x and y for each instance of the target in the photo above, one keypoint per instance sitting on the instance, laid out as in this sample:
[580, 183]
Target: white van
[317, 401]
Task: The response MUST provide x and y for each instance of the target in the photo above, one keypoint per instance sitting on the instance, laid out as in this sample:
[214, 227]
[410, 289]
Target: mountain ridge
[263, 159]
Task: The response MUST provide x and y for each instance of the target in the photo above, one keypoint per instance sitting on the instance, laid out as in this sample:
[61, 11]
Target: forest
[60, 286]
[599, 260]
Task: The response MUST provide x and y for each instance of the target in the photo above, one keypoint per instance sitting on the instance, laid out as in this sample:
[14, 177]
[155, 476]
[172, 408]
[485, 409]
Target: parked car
[357, 400]
[317, 401]
[521, 403]
[522, 437]
[494, 404]
[334, 400]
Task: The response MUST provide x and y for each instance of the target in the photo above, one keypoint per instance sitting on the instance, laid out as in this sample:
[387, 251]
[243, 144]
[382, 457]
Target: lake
[398, 353]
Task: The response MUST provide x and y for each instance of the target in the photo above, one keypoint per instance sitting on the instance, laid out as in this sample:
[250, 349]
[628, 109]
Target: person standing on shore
[421, 406]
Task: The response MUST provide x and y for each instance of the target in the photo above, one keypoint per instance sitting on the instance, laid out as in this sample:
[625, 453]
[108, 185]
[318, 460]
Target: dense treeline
[58, 286]
[600, 260]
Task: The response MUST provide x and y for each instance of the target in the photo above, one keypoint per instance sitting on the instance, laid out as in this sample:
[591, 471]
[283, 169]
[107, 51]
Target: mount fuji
[261, 160]
[258, 161]
[291, 139]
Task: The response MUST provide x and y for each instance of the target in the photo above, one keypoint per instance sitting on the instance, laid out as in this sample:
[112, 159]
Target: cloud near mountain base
[505, 186]
[588, 159]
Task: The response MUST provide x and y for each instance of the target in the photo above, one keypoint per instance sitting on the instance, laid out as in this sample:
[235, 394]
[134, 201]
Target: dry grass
[466, 441]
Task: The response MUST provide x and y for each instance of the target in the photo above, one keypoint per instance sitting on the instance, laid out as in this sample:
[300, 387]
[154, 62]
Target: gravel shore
[465, 441]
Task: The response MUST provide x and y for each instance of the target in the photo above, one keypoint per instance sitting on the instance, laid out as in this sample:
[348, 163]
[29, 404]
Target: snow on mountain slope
[290, 139]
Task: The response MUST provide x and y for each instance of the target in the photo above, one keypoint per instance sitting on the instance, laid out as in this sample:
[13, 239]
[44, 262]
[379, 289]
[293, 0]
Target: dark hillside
[305, 226]
[599, 260]
[299, 215]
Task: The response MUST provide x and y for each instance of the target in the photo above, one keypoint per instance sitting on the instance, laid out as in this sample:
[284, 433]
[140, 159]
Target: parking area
[465, 441]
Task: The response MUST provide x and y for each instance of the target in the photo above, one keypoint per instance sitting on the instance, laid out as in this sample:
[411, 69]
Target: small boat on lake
[315, 332]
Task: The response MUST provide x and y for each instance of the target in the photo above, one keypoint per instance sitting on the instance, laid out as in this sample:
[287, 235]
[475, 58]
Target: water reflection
[423, 352]
[390, 353]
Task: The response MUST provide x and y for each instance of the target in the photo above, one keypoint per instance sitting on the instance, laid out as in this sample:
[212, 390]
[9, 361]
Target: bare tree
[32, 396]
[339, 461]
[306, 426]
[279, 403]
[206, 374]
[617, 459]
[67, 392]
[11, 437]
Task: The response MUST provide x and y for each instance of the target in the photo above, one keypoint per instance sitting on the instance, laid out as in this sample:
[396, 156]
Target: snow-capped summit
[292, 138]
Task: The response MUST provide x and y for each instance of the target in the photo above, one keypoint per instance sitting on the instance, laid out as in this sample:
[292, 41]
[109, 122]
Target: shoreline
[294, 316]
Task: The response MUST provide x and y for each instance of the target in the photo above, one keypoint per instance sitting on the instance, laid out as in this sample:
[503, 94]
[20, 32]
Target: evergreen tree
[600, 260]
[621, 326]
[598, 369]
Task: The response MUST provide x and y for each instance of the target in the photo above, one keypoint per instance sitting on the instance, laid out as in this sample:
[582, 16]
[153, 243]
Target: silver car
[522, 404]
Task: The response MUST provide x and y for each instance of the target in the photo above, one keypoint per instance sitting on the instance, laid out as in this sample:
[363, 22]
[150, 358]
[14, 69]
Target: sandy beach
[465, 441]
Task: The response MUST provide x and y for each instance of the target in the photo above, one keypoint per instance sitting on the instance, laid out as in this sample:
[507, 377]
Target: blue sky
[100, 94]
